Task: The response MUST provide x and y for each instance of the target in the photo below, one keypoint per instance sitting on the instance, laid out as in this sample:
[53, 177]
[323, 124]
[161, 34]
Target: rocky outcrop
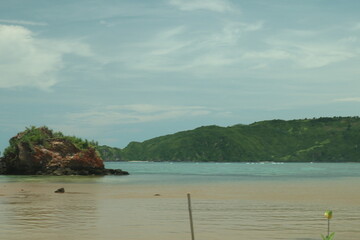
[49, 155]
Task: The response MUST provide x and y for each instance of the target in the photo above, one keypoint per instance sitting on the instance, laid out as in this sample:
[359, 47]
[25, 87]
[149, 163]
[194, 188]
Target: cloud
[232, 32]
[210, 5]
[21, 22]
[273, 54]
[311, 55]
[303, 55]
[183, 49]
[350, 99]
[27, 60]
[356, 26]
[304, 50]
[228, 48]
[167, 51]
[136, 113]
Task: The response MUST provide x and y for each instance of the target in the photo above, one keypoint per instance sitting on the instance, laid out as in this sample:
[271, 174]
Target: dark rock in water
[115, 172]
[60, 190]
[50, 155]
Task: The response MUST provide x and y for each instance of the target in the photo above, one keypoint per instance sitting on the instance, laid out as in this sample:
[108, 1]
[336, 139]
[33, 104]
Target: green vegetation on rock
[34, 136]
[309, 140]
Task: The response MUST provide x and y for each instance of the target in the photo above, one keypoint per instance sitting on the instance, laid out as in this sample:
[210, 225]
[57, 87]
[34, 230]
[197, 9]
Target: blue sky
[121, 71]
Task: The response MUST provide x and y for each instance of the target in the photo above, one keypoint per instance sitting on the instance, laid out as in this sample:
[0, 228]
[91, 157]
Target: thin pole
[190, 215]
[328, 227]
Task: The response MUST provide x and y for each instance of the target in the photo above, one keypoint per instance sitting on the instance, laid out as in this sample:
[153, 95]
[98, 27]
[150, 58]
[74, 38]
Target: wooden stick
[190, 215]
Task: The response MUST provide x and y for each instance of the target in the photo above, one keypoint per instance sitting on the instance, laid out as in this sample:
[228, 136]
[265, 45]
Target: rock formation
[38, 151]
[60, 190]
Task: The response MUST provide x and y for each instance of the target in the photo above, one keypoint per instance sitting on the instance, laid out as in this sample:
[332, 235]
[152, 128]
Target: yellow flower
[328, 214]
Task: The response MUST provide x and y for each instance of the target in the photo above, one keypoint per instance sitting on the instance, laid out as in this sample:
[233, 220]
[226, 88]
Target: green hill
[110, 153]
[310, 140]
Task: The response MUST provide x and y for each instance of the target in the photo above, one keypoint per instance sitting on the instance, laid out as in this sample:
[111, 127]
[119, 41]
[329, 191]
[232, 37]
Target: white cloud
[236, 47]
[350, 99]
[21, 22]
[213, 60]
[349, 40]
[232, 32]
[356, 27]
[272, 54]
[27, 60]
[320, 55]
[211, 5]
[137, 113]
[164, 52]
[166, 43]
[303, 53]
[182, 49]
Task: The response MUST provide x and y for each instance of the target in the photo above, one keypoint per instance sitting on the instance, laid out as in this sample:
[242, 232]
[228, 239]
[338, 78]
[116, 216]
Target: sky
[117, 71]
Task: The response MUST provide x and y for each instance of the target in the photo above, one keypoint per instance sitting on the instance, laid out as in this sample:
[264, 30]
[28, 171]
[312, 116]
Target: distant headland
[335, 139]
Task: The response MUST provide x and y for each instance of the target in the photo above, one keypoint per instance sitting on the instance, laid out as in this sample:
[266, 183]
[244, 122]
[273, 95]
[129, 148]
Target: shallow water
[230, 201]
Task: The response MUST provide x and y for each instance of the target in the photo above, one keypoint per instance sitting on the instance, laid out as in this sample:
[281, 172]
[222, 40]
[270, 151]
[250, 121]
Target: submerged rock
[60, 190]
[38, 151]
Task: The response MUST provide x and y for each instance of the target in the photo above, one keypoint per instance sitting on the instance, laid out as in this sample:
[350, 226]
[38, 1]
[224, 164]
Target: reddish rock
[53, 156]
[86, 159]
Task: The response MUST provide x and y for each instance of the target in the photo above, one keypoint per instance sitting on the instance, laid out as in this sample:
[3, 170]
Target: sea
[229, 201]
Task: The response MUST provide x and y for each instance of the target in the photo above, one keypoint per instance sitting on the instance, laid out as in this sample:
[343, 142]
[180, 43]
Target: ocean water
[229, 201]
[187, 171]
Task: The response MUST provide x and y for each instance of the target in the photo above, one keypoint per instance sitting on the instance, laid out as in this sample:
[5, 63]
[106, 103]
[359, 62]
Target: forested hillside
[315, 140]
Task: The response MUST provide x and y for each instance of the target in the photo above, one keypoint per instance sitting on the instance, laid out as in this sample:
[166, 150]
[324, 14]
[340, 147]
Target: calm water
[230, 201]
[238, 171]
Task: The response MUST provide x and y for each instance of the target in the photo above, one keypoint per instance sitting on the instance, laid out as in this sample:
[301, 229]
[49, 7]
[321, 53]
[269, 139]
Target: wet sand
[228, 210]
